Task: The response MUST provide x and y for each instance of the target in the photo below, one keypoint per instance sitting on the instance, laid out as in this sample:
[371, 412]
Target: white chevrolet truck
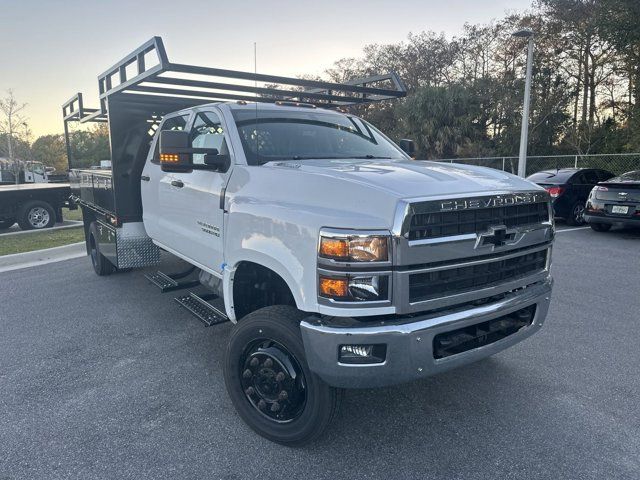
[342, 262]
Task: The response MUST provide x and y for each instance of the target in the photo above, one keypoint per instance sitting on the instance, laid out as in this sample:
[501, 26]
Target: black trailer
[33, 206]
[134, 95]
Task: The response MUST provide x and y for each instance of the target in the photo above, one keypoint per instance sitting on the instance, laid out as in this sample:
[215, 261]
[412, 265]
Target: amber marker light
[333, 287]
[334, 248]
[372, 248]
[169, 158]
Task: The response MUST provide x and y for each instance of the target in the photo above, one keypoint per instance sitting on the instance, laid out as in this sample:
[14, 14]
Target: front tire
[600, 227]
[101, 265]
[269, 381]
[36, 215]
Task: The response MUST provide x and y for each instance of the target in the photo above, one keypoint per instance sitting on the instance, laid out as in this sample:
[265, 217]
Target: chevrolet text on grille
[497, 201]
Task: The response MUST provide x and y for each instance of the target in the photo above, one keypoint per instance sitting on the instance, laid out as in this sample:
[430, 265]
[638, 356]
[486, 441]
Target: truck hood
[407, 179]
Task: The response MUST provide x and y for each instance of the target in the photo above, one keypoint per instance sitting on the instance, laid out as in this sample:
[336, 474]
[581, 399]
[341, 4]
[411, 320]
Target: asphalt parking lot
[109, 378]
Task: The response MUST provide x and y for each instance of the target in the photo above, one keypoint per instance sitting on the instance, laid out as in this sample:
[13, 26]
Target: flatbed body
[32, 187]
[18, 202]
[93, 187]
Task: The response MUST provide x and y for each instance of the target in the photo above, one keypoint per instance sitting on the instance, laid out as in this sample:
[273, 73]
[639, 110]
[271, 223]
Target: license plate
[620, 209]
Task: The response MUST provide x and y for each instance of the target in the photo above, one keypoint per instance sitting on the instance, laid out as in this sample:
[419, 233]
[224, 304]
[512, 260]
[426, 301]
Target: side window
[603, 175]
[578, 179]
[173, 123]
[207, 132]
[590, 177]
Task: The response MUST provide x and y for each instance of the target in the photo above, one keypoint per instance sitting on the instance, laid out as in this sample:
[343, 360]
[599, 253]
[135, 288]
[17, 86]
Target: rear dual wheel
[101, 265]
[269, 381]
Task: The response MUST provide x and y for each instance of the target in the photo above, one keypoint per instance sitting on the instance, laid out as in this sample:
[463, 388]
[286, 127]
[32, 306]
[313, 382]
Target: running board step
[169, 283]
[200, 307]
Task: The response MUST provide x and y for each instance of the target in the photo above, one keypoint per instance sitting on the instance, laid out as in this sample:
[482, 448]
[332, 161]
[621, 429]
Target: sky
[50, 49]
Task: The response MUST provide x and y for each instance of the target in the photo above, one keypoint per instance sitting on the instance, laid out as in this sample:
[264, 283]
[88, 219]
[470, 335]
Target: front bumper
[409, 341]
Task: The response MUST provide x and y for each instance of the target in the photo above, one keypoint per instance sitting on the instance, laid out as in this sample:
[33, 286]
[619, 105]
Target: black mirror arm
[220, 163]
[189, 150]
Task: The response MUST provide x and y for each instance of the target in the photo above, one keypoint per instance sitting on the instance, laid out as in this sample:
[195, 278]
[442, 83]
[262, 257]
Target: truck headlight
[358, 288]
[355, 248]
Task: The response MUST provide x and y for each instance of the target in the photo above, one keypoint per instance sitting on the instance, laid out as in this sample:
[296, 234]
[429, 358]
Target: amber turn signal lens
[374, 248]
[169, 158]
[334, 248]
[333, 287]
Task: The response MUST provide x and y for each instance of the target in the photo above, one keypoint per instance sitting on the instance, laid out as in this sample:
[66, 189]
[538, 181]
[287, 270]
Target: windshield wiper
[350, 157]
[306, 157]
[321, 157]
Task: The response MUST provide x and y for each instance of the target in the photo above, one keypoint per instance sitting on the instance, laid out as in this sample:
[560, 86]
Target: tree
[10, 121]
[442, 120]
[587, 54]
[90, 146]
[618, 23]
[51, 150]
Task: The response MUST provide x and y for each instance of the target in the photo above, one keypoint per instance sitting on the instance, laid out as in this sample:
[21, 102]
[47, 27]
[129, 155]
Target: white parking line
[571, 229]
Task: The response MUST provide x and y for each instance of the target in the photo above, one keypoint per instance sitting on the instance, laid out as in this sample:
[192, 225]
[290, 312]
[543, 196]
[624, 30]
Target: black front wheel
[269, 381]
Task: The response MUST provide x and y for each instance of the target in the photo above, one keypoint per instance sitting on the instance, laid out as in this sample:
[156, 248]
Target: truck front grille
[443, 224]
[427, 285]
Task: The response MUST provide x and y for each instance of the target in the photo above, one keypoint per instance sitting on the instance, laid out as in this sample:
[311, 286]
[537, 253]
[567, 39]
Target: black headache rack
[140, 89]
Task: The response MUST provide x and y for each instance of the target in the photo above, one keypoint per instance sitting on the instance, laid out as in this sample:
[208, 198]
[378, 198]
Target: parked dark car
[615, 202]
[569, 189]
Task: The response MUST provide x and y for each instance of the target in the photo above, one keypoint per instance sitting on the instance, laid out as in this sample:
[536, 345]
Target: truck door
[39, 172]
[151, 177]
[190, 202]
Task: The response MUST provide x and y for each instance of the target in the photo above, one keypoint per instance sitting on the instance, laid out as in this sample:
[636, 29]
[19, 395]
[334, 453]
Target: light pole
[524, 132]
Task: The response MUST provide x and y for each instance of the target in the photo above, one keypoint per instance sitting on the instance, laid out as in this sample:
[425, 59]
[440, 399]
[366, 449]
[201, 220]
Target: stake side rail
[147, 73]
[137, 91]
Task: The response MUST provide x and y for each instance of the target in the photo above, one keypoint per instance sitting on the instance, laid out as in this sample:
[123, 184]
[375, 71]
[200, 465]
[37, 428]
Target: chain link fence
[615, 163]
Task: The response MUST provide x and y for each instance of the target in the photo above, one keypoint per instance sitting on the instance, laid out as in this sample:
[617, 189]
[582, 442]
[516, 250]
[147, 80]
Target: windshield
[551, 176]
[37, 168]
[269, 135]
[633, 176]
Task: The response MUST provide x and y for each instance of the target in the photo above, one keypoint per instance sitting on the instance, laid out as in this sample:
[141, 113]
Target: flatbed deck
[25, 202]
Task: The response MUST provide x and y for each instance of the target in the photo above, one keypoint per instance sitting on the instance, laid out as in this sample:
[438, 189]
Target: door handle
[144, 178]
[177, 183]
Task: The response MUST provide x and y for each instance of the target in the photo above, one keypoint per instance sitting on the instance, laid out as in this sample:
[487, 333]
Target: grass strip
[28, 242]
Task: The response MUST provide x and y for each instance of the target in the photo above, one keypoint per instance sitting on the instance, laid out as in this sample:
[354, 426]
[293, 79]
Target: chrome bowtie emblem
[496, 237]
[622, 194]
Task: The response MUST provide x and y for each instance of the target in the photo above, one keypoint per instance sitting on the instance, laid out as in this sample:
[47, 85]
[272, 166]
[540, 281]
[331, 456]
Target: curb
[16, 261]
[65, 225]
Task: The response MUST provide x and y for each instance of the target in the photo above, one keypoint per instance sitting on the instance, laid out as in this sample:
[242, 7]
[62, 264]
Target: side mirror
[408, 147]
[218, 162]
[175, 153]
